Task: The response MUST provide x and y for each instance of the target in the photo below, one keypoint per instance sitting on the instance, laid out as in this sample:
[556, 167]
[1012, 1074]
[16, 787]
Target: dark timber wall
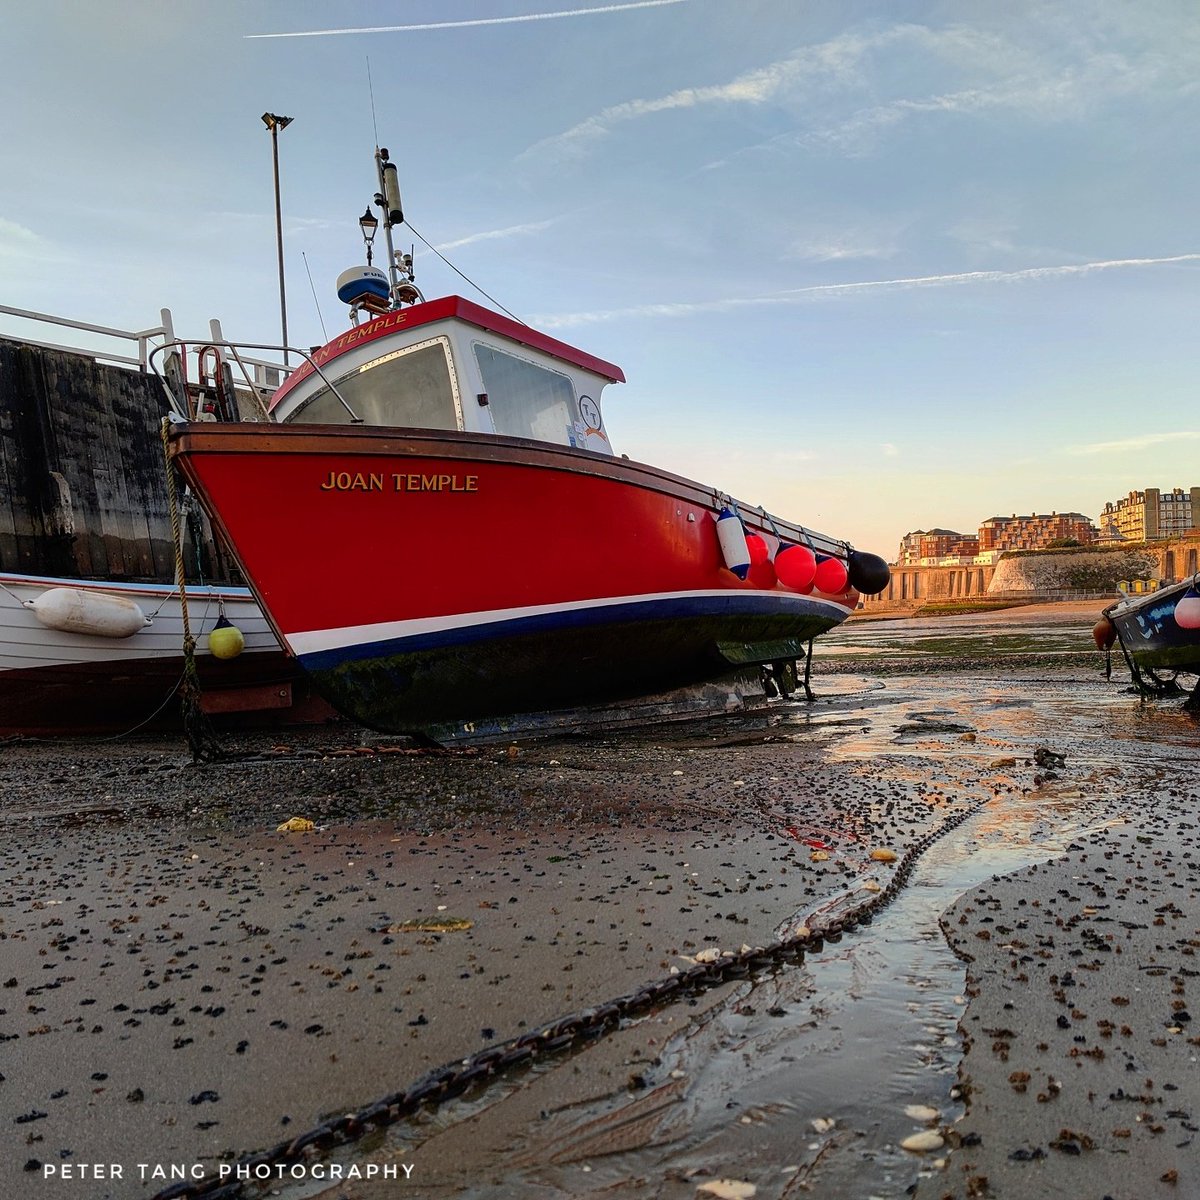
[83, 489]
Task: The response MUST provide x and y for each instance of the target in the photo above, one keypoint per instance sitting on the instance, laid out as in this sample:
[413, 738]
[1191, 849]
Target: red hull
[424, 575]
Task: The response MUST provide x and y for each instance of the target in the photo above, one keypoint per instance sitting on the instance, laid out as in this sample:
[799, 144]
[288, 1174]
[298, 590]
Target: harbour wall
[83, 486]
[1070, 573]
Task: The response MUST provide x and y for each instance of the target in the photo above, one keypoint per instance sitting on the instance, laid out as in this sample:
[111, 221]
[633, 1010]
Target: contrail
[993, 276]
[549, 16]
[793, 295]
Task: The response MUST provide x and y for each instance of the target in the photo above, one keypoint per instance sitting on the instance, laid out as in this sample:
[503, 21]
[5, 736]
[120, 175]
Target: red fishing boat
[437, 527]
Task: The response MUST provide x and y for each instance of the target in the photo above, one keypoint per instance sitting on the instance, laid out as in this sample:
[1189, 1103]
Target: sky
[877, 266]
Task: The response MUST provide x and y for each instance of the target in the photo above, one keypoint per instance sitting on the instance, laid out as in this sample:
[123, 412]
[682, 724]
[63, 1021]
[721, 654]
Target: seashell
[883, 854]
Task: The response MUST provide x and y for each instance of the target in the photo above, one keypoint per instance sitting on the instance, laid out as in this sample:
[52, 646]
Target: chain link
[453, 1079]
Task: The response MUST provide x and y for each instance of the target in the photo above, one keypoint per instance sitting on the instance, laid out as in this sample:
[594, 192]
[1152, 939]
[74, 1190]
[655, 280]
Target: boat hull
[1149, 634]
[435, 577]
[55, 682]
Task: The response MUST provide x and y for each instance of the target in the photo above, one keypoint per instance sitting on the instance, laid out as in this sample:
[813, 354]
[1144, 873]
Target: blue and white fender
[732, 537]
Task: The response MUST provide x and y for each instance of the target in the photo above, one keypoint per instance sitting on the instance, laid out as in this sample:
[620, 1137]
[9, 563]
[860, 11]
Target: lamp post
[275, 123]
[368, 224]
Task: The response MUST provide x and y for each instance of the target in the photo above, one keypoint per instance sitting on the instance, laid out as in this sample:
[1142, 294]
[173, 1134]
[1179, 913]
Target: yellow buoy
[225, 640]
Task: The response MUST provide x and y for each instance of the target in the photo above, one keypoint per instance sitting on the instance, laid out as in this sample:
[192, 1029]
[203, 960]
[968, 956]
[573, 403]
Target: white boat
[89, 656]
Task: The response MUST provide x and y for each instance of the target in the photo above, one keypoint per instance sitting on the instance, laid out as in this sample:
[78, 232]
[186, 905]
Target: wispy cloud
[839, 248]
[17, 238]
[1142, 442]
[820, 290]
[546, 16]
[889, 450]
[489, 235]
[1040, 73]
[829, 61]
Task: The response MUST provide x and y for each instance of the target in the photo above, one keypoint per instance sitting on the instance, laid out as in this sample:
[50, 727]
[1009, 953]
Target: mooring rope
[202, 740]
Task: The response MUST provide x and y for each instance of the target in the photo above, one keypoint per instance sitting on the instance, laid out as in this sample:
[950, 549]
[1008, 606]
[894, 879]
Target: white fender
[732, 537]
[74, 610]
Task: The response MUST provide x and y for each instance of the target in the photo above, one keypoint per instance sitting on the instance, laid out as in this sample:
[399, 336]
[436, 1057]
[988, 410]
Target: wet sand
[1082, 1053]
[184, 985]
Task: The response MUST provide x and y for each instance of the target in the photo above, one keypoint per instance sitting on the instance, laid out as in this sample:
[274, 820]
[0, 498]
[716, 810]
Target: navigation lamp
[796, 567]
[1187, 611]
[830, 576]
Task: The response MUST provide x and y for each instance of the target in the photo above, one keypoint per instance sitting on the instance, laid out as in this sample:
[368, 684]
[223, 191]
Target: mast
[400, 269]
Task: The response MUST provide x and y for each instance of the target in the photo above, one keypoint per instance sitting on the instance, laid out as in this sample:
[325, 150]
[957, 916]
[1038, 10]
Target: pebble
[923, 1142]
[728, 1189]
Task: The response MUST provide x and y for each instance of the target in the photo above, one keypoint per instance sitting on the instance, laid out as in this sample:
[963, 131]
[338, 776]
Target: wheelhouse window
[415, 388]
[526, 400]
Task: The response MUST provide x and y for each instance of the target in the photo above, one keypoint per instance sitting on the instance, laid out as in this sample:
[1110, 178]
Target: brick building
[1151, 514]
[1034, 532]
[929, 544]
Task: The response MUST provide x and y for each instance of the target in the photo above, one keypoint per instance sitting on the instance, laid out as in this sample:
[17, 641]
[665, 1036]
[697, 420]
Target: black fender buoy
[869, 574]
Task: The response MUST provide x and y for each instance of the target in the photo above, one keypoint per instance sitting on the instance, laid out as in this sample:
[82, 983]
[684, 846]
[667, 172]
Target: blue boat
[1156, 647]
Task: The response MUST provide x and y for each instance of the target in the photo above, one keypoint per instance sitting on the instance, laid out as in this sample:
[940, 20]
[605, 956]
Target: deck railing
[130, 347]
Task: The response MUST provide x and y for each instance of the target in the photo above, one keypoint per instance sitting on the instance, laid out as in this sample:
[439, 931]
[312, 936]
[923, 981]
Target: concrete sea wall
[1077, 572]
[83, 488]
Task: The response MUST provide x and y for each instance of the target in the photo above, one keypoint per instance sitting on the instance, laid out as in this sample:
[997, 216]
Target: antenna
[371, 90]
[324, 334]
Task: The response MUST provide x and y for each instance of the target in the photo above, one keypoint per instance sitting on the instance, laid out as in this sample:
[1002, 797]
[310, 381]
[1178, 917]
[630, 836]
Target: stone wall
[1096, 568]
[83, 489]
[1040, 574]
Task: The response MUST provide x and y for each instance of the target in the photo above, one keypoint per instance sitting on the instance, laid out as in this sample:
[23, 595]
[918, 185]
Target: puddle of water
[805, 1078]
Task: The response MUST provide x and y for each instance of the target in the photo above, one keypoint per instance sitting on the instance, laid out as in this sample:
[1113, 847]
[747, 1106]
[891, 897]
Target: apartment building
[1150, 514]
[1033, 532]
[927, 543]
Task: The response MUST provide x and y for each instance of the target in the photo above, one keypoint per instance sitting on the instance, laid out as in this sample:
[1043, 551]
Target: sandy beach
[184, 985]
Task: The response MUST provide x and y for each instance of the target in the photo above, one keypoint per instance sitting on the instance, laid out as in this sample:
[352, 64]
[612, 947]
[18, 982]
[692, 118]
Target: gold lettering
[376, 481]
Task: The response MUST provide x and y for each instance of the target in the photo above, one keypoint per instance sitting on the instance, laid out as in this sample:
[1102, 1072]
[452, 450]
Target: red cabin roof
[439, 310]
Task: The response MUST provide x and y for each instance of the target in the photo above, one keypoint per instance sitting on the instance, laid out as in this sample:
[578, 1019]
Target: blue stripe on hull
[736, 605]
[569, 657]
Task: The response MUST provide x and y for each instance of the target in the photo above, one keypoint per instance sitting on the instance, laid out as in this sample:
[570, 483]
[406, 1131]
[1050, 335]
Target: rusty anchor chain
[453, 1079]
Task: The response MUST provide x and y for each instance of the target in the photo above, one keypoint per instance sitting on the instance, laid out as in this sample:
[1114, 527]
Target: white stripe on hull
[316, 640]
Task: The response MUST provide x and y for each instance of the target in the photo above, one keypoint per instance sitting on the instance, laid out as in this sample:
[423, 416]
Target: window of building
[412, 388]
[526, 399]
